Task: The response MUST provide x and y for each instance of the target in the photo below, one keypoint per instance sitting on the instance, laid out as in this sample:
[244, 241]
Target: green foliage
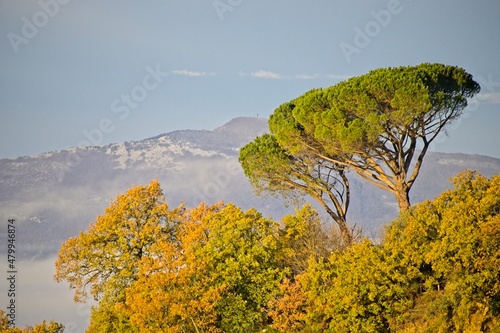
[454, 241]
[372, 123]
[358, 290]
[303, 238]
[436, 271]
[242, 247]
[221, 269]
[271, 168]
[354, 114]
[208, 269]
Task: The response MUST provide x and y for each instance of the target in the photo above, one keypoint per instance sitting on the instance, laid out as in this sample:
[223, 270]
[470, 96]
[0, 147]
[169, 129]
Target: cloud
[488, 98]
[267, 75]
[307, 76]
[189, 73]
[317, 76]
[277, 76]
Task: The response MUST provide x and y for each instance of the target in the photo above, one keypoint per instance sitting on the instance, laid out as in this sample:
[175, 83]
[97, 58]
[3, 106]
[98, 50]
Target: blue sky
[73, 72]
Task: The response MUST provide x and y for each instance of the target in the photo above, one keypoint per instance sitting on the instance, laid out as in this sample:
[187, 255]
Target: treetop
[354, 113]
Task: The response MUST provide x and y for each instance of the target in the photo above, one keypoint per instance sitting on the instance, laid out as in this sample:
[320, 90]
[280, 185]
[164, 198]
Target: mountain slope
[55, 195]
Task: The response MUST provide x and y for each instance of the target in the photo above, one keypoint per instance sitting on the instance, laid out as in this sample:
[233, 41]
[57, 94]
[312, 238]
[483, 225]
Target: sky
[74, 73]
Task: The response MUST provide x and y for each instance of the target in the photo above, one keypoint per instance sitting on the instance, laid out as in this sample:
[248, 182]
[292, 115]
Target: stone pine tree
[273, 169]
[379, 125]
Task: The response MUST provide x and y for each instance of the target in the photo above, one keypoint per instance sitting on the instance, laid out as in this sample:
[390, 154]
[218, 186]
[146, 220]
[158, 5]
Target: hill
[55, 195]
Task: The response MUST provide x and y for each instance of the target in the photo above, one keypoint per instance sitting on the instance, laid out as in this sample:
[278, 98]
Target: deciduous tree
[219, 277]
[175, 291]
[304, 237]
[104, 259]
[453, 243]
[43, 327]
[357, 290]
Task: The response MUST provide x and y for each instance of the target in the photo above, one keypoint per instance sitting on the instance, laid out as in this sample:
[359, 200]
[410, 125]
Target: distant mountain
[55, 195]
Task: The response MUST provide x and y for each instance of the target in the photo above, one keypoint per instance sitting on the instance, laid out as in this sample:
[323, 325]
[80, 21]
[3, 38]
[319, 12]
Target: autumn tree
[243, 251]
[175, 291]
[304, 241]
[303, 236]
[435, 271]
[289, 309]
[211, 268]
[360, 289]
[43, 327]
[452, 244]
[380, 125]
[218, 278]
[104, 259]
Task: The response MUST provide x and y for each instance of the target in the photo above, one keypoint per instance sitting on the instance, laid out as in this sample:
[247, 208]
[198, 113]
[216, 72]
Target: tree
[271, 168]
[220, 278]
[452, 246]
[243, 253]
[435, 271]
[43, 327]
[105, 258]
[303, 238]
[357, 290]
[379, 124]
[289, 309]
[175, 291]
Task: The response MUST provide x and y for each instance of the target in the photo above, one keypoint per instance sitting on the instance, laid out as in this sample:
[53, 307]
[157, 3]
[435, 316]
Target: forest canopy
[221, 269]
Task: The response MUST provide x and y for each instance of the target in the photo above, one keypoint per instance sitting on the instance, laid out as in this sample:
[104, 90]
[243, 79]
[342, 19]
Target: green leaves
[295, 171]
[374, 122]
[436, 271]
[221, 269]
[242, 256]
[266, 163]
[216, 269]
[453, 243]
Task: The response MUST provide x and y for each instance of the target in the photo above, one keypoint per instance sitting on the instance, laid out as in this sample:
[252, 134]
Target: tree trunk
[340, 220]
[346, 233]
[403, 197]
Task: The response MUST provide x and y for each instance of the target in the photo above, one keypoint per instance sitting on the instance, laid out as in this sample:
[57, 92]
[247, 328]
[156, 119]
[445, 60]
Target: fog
[39, 297]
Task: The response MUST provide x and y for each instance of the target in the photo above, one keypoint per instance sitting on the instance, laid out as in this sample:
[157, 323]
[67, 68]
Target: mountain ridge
[55, 195]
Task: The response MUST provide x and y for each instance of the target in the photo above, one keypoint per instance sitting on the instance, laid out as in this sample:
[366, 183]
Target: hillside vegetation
[217, 268]
[156, 267]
